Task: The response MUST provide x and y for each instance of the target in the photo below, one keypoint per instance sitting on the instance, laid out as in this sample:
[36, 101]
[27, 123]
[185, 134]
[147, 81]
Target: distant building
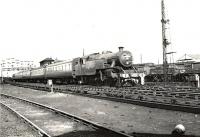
[144, 67]
[189, 58]
[9, 66]
[151, 68]
[46, 62]
[190, 62]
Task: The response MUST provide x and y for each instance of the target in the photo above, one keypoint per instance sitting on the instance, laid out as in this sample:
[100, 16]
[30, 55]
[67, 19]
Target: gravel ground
[119, 116]
[11, 126]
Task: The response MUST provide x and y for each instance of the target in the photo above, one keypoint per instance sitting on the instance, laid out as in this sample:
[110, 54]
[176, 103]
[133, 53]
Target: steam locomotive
[100, 69]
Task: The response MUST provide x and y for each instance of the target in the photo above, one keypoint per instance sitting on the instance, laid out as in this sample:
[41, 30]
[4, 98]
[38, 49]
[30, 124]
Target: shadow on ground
[106, 134]
[160, 135]
[97, 133]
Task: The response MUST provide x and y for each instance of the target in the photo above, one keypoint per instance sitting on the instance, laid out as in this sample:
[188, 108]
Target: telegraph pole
[165, 40]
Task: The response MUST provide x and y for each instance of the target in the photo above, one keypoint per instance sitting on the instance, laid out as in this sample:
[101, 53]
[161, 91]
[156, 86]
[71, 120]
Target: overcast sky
[36, 29]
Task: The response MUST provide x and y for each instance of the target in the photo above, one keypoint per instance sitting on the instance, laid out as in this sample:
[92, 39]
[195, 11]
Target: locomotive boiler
[105, 67]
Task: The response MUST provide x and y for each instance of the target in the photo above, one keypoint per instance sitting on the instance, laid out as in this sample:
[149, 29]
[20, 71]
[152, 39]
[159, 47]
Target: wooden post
[50, 84]
[197, 80]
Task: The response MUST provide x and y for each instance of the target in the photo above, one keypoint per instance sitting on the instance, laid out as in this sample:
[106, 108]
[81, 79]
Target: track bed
[123, 117]
[12, 126]
[53, 122]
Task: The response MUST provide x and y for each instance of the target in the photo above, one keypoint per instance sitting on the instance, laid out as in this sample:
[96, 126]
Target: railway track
[164, 98]
[51, 122]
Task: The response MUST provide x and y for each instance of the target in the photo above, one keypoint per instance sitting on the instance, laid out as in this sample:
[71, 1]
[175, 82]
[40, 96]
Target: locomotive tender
[105, 69]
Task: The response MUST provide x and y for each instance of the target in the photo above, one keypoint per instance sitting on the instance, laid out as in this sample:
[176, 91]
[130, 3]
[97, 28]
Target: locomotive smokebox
[121, 49]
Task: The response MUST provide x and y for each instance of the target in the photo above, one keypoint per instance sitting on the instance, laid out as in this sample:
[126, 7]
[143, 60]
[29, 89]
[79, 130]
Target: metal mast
[165, 40]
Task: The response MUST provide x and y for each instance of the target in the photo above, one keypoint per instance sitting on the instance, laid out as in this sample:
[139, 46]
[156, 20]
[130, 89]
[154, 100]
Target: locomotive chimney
[121, 49]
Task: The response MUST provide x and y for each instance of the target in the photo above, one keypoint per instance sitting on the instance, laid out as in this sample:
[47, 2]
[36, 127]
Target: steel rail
[31, 124]
[76, 118]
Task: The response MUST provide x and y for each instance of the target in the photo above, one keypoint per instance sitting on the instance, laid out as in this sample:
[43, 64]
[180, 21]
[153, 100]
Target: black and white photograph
[99, 68]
